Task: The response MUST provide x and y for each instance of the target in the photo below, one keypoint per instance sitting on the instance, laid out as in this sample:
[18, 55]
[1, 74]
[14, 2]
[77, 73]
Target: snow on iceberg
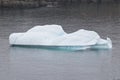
[55, 36]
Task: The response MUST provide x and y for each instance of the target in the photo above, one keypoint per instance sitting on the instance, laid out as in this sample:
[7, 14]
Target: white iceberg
[54, 36]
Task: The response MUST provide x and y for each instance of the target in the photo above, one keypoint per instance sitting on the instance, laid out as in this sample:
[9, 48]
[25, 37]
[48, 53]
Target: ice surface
[54, 35]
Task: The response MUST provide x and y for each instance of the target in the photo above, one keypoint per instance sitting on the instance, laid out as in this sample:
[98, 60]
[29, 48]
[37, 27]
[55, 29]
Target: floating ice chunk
[54, 36]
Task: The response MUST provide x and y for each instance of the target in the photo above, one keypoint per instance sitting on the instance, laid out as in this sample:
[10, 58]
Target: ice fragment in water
[55, 36]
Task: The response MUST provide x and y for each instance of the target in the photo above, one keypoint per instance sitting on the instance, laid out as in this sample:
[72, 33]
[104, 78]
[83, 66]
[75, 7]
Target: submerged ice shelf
[55, 36]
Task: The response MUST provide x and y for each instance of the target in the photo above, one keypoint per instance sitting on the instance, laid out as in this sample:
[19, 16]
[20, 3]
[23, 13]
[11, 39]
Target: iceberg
[54, 36]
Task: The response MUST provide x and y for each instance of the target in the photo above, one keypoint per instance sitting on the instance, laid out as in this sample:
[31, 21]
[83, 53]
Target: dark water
[17, 63]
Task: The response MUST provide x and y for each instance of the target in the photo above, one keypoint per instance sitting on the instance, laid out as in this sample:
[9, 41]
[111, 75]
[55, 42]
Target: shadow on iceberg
[54, 37]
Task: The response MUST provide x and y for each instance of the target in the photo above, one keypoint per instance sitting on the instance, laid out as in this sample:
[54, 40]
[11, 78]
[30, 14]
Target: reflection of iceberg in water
[54, 36]
[34, 63]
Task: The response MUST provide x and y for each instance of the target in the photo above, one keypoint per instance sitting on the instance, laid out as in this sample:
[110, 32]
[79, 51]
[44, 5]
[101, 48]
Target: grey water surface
[26, 63]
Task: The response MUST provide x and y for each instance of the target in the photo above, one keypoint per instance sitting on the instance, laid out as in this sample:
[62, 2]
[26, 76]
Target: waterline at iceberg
[55, 36]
